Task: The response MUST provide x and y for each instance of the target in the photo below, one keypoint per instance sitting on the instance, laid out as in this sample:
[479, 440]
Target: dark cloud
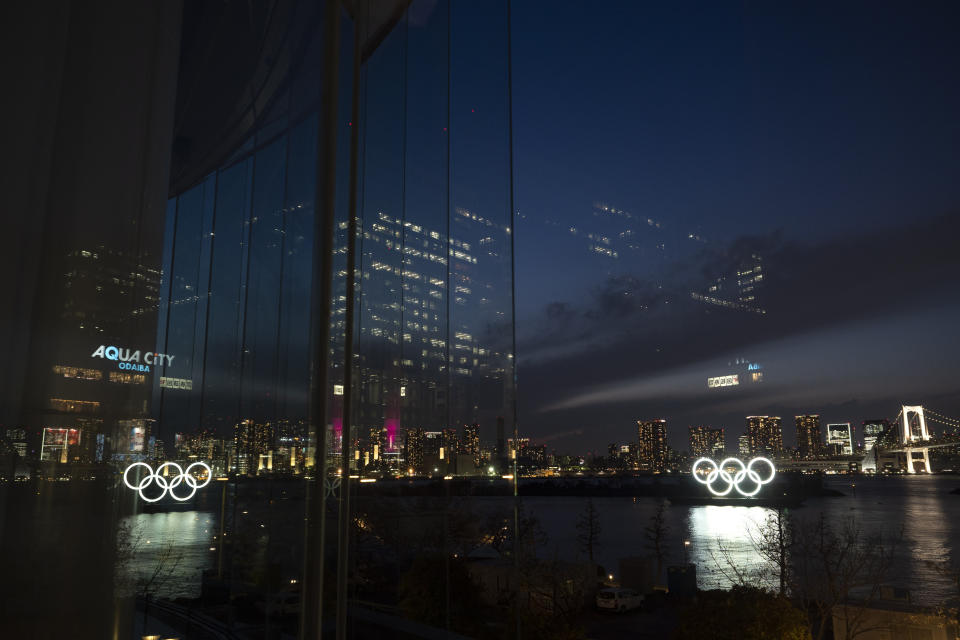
[623, 296]
[630, 328]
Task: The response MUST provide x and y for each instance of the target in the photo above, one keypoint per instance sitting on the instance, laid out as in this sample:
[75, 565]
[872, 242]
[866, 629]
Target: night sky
[822, 138]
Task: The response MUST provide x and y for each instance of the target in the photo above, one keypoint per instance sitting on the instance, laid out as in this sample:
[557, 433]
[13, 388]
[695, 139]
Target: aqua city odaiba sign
[131, 360]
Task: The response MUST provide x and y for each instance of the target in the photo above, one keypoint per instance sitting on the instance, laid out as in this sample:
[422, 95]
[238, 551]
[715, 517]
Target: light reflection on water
[170, 548]
[917, 515]
[918, 511]
[722, 544]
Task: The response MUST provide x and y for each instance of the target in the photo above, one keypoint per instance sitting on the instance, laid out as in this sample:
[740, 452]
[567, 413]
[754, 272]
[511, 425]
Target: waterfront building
[613, 453]
[414, 453]
[451, 444]
[707, 441]
[433, 454]
[253, 441]
[652, 444]
[519, 449]
[765, 435]
[872, 431]
[743, 446]
[471, 442]
[18, 441]
[809, 439]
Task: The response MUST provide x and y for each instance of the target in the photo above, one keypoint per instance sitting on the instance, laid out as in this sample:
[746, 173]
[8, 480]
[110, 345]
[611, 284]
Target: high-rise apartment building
[18, 441]
[518, 449]
[451, 443]
[707, 441]
[628, 454]
[471, 442]
[613, 452]
[252, 440]
[652, 440]
[743, 446]
[766, 435]
[414, 454]
[433, 460]
[809, 440]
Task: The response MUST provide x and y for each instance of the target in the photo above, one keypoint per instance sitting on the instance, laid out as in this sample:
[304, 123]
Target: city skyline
[740, 131]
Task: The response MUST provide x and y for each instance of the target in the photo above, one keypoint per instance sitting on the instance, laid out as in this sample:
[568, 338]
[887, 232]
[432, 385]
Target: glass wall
[418, 423]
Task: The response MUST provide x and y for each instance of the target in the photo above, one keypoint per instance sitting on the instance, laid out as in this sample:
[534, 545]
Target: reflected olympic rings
[168, 483]
[712, 473]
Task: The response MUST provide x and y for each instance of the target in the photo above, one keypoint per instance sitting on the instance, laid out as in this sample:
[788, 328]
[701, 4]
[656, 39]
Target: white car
[619, 599]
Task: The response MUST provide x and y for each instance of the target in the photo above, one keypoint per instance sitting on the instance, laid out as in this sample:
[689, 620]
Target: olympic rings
[168, 482]
[730, 481]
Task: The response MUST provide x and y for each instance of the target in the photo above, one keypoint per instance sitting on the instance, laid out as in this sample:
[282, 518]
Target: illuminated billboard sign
[137, 439]
[55, 443]
[841, 434]
[131, 360]
[723, 381]
[176, 383]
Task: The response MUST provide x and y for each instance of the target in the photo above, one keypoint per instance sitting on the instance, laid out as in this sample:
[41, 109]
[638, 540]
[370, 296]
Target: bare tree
[833, 565]
[823, 566]
[153, 574]
[588, 529]
[731, 570]
[949, 610]
[774, 541]
[501, 536]
[553, 594]
[655, 534]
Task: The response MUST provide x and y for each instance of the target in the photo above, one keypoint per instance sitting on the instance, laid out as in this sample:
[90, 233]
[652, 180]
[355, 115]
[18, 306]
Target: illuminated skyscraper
[519, 449]
[872, 431]
[75, 386]
[451, 443]
[738, 290]
[707, 441]
[471, 442]
[652, 440]
[809, 440]
[414, 444]
[252, 440]
[749, 281]
[743, 446]
[628, 455]
[766, 435]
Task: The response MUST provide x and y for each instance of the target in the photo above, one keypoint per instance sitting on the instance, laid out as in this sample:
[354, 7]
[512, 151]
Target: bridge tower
[910, 438]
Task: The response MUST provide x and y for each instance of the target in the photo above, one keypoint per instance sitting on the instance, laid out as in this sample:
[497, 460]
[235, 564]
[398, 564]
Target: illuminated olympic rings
[714, 473]
[168, 483]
